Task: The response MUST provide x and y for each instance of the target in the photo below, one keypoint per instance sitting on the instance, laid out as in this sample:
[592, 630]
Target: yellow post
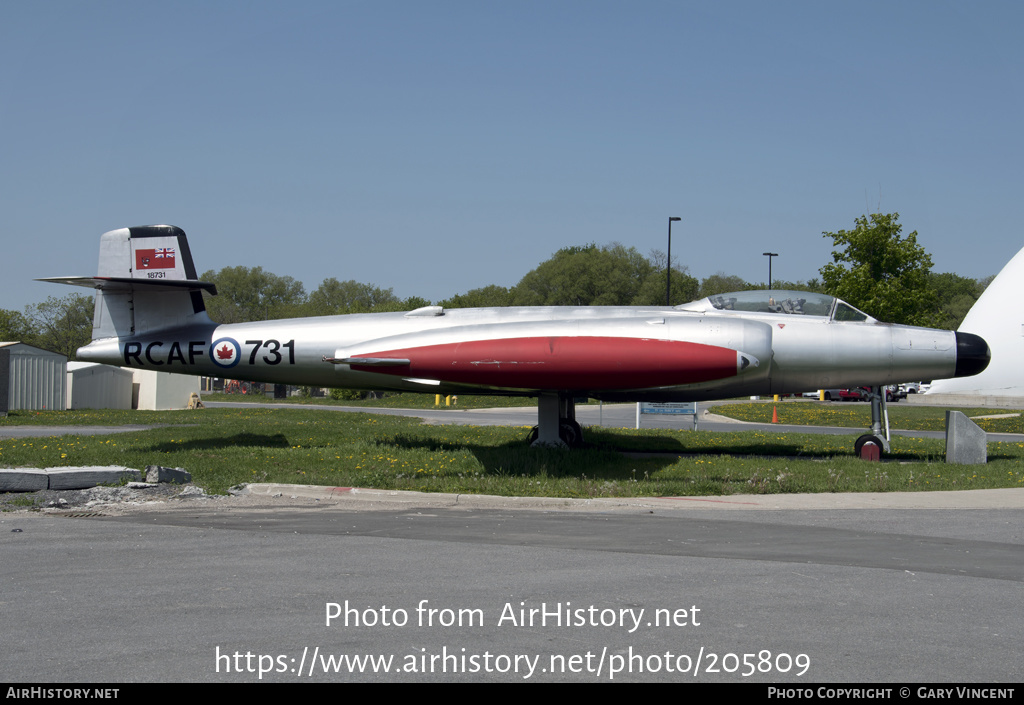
[776, 398]
[437, 400]
[448, 400]
[821, 395]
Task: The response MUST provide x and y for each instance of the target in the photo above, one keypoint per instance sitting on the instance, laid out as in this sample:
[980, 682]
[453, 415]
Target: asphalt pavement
[339, 585]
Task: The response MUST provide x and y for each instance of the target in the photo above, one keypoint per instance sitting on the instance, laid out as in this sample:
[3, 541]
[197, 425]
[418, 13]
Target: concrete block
[23, 480]
[158, 473]
[966, 442]
[968, 400]
[83, 478]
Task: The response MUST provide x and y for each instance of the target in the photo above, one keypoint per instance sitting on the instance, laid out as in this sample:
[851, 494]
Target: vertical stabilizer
[145, 281]
[996, 316]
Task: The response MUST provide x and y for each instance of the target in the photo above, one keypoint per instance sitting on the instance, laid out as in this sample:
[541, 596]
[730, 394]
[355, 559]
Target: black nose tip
[972, 354]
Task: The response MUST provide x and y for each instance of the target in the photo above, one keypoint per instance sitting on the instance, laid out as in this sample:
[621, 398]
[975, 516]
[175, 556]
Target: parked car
[830, 394]
[915, 387]
[854, 394]
[892, 393]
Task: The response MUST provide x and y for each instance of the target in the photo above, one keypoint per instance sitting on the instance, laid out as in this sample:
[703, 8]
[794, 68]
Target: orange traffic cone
[775, 415]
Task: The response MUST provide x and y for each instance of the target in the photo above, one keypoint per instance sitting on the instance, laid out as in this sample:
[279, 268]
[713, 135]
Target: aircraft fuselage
[613, 353]
[150, 314]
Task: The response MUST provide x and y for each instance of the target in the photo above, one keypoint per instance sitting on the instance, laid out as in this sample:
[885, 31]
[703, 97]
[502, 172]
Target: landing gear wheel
[864, 440]
[571, 432]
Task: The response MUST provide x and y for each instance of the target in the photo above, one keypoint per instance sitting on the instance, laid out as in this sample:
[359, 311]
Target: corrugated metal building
[95, 386]
[37, 378]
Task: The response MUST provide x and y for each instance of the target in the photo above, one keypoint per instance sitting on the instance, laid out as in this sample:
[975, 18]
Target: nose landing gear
[878, 436]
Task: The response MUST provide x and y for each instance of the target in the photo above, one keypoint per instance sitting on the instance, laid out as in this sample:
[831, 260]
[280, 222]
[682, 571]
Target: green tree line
[875, 268]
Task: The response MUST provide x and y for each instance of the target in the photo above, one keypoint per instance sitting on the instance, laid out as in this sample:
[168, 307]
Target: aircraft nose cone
[972, 354]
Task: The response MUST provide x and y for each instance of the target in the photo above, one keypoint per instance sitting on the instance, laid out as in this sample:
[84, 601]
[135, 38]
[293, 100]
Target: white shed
[36, 378]
[162, 390]
[95, 386]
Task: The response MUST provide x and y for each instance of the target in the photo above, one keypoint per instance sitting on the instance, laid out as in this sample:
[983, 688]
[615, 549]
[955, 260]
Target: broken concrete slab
[966, 442]
[80, 478]
[24, 480]
[85, 477]
[158, 473]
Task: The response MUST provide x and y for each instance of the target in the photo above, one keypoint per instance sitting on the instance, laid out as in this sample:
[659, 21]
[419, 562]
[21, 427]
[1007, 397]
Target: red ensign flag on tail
[159, 258]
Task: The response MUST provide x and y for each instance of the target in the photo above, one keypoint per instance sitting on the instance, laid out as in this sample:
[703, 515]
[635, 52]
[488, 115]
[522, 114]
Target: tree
[877, 270]
[809, 285]
[491, 295]
[722, 283]
[652, 292]
[15, 327]
[62, 324]
[246, 294]
[954, 296]
[410, 304]
[334, 297]
[585, 276]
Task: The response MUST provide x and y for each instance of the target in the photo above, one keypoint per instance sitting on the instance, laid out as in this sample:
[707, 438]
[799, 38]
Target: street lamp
[769, 255]
[668, 265]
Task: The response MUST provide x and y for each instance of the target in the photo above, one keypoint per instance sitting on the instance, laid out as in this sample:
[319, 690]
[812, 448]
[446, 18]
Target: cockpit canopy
[801, 303]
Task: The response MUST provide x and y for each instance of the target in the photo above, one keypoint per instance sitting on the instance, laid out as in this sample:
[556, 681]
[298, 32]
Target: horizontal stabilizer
[131, 284]
[145, 281]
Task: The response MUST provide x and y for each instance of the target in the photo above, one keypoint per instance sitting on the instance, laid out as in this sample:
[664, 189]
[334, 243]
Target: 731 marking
[273, 347]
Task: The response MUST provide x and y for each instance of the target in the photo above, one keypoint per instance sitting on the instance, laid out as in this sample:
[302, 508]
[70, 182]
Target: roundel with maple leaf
[225, 352]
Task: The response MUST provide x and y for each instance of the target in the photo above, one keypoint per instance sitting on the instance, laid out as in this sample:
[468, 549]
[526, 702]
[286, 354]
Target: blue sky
[436, 147]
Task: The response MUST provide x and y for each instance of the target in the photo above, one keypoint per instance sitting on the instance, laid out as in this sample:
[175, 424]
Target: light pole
[769, 255]
[668, 265]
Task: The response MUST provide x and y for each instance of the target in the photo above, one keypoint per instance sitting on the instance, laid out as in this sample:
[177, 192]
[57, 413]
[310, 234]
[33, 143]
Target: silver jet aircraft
[150, 314]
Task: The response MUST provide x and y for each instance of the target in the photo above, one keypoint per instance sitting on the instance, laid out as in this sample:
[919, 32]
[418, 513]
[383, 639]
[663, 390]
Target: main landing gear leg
[568, 429]
[556, 422]
[878, 435]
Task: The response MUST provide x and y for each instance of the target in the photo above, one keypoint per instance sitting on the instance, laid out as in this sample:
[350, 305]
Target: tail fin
[146, 281]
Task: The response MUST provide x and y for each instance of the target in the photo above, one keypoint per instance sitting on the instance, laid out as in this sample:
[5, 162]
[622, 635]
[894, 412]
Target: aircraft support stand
[556, 422]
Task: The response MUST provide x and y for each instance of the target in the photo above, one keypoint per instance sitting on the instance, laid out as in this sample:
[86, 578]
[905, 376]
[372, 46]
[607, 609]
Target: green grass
[96, 417]
[906, 417]
[389, 400]
[226, 447]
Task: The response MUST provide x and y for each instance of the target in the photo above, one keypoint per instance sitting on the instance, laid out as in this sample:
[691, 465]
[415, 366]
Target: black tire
[568, 434]
[572, 433]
